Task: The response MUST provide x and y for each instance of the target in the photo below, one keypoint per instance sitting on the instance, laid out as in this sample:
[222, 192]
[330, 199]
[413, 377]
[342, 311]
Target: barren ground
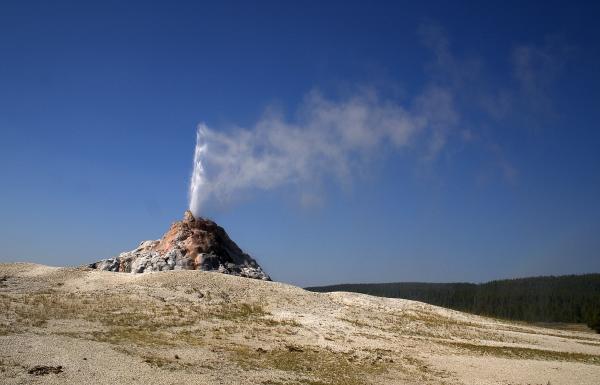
[80, 326]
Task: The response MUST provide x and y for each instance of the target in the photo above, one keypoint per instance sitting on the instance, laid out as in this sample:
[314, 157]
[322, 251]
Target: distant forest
[568, 298]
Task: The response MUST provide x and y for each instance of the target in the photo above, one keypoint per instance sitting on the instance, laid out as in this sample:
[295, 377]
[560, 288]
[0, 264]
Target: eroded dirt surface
[194, 327]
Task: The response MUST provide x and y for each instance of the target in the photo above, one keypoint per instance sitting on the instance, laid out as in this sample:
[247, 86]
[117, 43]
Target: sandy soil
[75, 326]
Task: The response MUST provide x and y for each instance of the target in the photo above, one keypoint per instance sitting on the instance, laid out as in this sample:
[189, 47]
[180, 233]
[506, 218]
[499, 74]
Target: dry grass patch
[238, 312]
[315, 366]
[525, 353]
[36, 309]
[166, 363]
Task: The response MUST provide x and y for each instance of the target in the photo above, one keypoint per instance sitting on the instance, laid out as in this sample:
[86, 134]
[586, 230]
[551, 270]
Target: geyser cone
[190, 244]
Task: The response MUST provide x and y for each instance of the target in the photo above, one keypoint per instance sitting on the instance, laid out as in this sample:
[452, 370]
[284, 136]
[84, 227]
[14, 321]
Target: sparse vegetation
[526, 353]
[264, 334]
[315, 365]
[163, 362]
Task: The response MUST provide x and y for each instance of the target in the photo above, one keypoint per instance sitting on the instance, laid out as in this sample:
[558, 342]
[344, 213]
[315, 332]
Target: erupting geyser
[193, 243]
[198, 180]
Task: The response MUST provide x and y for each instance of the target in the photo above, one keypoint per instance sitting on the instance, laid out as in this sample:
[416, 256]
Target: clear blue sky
[99, 103]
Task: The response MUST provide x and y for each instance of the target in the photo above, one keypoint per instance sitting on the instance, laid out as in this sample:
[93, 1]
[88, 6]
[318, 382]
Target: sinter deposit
[191, 244]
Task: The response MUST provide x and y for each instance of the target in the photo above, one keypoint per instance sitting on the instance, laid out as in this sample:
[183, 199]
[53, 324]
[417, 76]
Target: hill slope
[568, 298]
[73, 326]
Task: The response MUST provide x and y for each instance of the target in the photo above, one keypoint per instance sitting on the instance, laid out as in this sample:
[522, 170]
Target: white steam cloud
[326, 139]
[334, 139]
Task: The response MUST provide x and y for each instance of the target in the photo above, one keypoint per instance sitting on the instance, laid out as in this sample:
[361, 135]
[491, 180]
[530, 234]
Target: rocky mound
[191, 244]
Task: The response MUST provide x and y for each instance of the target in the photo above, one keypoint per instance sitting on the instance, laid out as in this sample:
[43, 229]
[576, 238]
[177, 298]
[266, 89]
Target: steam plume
[326, 139]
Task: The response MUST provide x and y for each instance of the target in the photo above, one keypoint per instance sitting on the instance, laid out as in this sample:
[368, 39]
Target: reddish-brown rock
[190, 244]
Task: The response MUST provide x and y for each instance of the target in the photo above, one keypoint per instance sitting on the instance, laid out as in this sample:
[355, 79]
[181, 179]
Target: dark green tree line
[569, 298]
